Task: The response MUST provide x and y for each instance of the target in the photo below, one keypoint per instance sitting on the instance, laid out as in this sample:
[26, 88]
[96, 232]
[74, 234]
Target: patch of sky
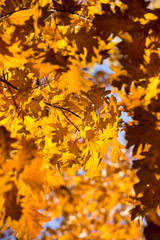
[8, 235]
[54, 224]
[121, 134]
[81, 172]
[102, 67]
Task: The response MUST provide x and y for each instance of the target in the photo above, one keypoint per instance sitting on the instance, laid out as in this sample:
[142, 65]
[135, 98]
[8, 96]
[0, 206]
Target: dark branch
[65, 109]
[69, 120]
[70, 12]
[9, 14]
[12, 97]
[62, 108]
[9, 89]
[51, 10]
[8, 84]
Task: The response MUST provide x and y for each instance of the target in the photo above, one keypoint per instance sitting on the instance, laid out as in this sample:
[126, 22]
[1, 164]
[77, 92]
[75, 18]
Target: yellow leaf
[20, 17]
[115, 152]
[92, 163]
[74, 80]
[43, 3]
[5, 186]
[153, 89]
[150, 16]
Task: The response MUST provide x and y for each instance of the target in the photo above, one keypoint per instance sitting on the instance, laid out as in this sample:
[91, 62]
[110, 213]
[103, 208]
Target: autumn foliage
[61, 156]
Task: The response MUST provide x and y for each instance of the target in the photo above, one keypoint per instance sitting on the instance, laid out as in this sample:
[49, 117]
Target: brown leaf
[13, 209]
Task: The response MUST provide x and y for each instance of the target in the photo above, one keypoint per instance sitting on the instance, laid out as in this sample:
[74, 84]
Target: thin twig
[69, 120]
[4, 81]
[29, 113]
[51, 10]
[19, 113]
[9, 14]
[70, 12]
[10, 89]
[65, 109]
[62, 108]
[12, 97]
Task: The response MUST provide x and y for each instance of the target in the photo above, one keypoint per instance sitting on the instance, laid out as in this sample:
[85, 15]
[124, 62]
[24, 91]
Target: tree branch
[70, 12]
[10, 89]
[9, 14]
[70, 120]
[62, 108]
[65, 109]
[9, 84]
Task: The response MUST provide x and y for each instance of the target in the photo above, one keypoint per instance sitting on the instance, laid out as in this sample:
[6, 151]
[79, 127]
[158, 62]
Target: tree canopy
[61, 156]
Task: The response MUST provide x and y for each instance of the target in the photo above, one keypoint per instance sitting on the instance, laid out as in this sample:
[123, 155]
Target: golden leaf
[20, 17]
[75, 80]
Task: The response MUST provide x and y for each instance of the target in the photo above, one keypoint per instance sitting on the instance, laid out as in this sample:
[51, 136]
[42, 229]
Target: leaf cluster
[55, 120]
